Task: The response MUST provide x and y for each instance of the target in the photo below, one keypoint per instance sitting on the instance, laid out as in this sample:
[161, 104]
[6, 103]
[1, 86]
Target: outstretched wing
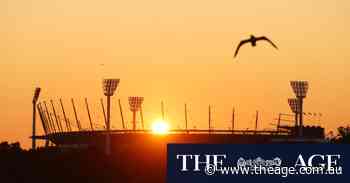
[240, 44]
[266, 39]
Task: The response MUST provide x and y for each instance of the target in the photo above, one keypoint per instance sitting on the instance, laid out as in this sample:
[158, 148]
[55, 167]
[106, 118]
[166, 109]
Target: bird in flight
[253, 41]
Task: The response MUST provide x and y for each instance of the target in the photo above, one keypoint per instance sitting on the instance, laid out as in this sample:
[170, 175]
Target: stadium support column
[108, 137]
[186, 121]
[121, 114]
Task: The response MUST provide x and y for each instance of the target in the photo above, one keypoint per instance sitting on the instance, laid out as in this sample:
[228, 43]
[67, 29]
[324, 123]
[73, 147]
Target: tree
[344, 134]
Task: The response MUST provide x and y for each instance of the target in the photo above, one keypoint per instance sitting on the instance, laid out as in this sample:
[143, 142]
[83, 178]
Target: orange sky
[176, 51]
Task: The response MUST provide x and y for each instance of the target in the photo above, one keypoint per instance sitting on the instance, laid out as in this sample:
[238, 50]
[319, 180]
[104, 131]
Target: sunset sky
[175, 51]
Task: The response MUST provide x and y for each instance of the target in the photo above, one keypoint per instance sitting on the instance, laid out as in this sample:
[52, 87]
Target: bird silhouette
[253, 41]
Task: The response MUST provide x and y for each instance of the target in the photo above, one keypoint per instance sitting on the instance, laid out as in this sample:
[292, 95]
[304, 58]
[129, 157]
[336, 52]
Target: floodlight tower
[35, 99]
[293, 104]
[109, 86]
[135, 105]
[300, 89]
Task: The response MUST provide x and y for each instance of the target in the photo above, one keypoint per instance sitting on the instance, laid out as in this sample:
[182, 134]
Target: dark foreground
[71, 165]
[140, 160]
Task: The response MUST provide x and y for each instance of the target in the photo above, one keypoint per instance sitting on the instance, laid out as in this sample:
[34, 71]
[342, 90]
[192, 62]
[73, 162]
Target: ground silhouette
[51, 165]
[133, 163]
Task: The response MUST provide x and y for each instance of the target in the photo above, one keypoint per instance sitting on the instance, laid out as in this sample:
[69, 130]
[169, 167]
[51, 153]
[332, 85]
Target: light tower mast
[35, 99]
[135, 106]
[109, 86]
[300, 89]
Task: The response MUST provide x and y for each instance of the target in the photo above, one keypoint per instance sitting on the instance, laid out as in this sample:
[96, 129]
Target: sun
[160, 127]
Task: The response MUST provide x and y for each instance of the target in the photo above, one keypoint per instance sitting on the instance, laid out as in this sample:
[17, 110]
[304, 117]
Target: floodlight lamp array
[135, 103]
[109, 86]
[300, 88]
[294, 105]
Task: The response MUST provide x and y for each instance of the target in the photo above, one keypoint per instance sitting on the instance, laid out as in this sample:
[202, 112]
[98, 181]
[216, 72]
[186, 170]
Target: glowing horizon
[160, 127]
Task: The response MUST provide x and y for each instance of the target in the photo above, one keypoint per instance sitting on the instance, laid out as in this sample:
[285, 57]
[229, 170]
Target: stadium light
[300, 89]
[34, 101]
[135, 105]
[293, 104]
[109, 87]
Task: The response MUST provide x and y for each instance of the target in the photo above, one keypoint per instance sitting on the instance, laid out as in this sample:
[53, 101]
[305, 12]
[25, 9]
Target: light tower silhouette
[293, 104]
[109, 86]
[135, 103]
[34, 101]
[300, 89]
